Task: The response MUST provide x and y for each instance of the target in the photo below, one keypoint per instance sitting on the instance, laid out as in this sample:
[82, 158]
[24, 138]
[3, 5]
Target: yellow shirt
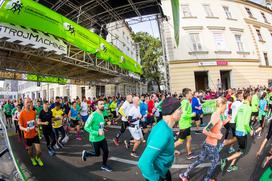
[57, 114]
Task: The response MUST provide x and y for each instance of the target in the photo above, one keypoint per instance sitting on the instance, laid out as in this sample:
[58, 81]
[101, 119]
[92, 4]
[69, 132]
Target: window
[239, 43]
[219, 41]
[186, 11]
[208, 10]
[195, 41]
[259, 35]
[264, 17]
[266, 59]
[249, 12]
[227, 11]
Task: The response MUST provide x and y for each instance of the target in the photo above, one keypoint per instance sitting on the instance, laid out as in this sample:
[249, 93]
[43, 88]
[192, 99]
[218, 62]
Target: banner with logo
[48, 79]
[31, 14]
[209, 106]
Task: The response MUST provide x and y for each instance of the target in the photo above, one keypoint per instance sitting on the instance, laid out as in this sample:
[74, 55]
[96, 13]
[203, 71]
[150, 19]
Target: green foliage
[150, 53]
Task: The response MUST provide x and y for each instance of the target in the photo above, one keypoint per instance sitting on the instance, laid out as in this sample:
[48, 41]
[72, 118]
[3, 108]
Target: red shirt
[150, 107]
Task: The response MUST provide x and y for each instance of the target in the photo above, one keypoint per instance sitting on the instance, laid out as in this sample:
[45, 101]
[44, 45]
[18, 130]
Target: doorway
[225, 79]
[201, 80]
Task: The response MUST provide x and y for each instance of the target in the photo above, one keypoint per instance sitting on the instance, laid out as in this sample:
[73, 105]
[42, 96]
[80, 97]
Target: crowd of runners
[242, 112]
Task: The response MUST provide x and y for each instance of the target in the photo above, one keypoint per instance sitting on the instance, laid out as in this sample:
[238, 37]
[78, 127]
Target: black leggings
[167, 177]
[97, 146]
[17, 129]
[49, 134]
[62, 131]
[124, 126]
[227, 126]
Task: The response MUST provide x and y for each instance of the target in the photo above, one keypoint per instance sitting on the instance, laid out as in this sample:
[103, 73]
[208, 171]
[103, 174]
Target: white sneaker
[134, 155]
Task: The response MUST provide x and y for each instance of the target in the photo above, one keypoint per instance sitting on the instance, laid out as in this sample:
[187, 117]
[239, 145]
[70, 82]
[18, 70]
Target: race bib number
[31, 124]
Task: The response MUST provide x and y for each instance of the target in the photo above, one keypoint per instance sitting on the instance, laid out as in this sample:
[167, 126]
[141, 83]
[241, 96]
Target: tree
[150, 54]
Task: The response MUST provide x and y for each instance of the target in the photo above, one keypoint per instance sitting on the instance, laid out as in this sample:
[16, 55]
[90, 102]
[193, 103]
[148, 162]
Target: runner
[7, 111]
[124, 109]
[151, 109]
[234, 107]
[75, 120]
[57, 117]
[45, 120]
[197, 109]
[242, 120]
[38, 109]
[158, 156]
[262, 114]
[95, 127]
[269, 96]
[255, 107]
[209, 147]
[16, 119]
[185, 124]
[27, 125]
[134, 117]
[84, 110]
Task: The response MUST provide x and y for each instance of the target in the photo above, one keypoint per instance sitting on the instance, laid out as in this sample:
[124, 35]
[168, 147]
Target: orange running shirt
[27, 119]
[217, 125]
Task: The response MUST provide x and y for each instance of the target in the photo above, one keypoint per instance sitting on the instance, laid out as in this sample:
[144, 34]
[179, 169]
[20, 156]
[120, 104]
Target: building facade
[223, 43]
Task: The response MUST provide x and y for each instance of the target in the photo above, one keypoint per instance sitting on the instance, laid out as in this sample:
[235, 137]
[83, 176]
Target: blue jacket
[195, 104]
[143, 108]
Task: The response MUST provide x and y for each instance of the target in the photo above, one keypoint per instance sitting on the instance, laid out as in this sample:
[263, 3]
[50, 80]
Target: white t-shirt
[235, 106]
[126, 106]
[84, 109]
[135, 113]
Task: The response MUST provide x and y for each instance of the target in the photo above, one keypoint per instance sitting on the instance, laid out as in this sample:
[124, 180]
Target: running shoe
[39, 161]
[33, 161]
[183, 178]
[191, 156]
[79, 138]
[133, 154]
[144, 140]
[231, 150]
[83, 156]
[223, 163]
[232, 168]
[265, 162]
[115, 141]
[126, 144]
[56, 147]
[106, 168]
[60, 145]
[51, 153]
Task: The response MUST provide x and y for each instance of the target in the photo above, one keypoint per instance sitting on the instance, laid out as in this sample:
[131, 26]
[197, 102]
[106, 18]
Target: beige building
[223, 43]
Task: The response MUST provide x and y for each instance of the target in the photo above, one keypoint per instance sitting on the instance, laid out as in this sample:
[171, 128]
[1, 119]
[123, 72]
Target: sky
[152, 27]
[148, 26]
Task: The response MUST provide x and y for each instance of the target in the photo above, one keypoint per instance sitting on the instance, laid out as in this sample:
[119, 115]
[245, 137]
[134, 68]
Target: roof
[95, 13]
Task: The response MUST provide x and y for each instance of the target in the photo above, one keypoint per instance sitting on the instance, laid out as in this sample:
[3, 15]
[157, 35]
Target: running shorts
[255, 114]
[184, 133]
[242, 142]
[8, 116]
[30, 141]
[136, 132]
[74, 123]
[197, 117]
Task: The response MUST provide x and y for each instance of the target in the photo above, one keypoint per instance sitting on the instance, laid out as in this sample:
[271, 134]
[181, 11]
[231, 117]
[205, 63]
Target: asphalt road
[67, 164]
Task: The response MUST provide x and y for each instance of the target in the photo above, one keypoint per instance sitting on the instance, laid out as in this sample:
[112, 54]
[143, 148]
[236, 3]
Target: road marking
[177, 166]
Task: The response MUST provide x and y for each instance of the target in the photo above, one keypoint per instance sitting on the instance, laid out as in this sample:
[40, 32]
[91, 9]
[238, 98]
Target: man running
[209, 147]
[16, 122]
[158, 156]
[95, 127]
[124, 109]
[134, 117]
[197, 109]
[255, 107]
[185, 124]
[45, 120]
[243, 128]
[27, 125]
[262, 114]
[57, 115]
[7, 111]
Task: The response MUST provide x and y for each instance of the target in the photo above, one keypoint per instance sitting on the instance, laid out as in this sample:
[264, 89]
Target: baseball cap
[170, 105]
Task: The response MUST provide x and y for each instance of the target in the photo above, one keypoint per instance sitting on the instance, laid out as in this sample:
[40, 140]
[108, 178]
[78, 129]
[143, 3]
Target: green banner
[39, 78]
[209, 106]
[31, 14]
[175, 12]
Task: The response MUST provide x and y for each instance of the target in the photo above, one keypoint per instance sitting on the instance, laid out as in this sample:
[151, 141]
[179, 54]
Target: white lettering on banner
[207, 63]
[37, 39]
[2, 2]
